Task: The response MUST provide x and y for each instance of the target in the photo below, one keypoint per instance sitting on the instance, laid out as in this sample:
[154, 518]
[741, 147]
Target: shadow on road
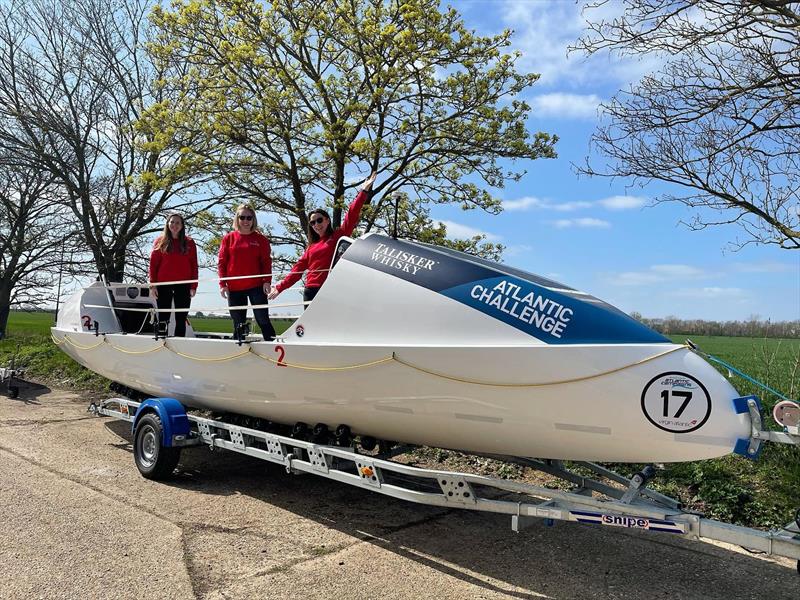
[565, 561]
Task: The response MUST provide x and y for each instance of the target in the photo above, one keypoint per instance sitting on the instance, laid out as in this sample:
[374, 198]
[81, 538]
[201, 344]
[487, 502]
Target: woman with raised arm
[322, 244]
[174, 258]
[246, 251]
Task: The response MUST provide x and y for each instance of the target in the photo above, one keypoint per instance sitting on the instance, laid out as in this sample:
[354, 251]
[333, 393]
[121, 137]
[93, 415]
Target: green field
[754, 493]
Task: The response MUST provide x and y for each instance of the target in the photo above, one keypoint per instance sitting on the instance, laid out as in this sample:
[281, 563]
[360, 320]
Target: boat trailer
[162, 427]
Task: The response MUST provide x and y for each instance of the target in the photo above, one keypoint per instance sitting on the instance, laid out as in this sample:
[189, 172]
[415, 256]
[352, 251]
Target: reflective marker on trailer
[631, 522]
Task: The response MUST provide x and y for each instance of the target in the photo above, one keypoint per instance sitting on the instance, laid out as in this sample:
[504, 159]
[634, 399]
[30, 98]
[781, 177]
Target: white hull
[598, 417]
[410, 343]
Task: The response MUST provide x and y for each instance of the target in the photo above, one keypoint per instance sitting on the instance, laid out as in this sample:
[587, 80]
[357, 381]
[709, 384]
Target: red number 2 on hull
[281, 353]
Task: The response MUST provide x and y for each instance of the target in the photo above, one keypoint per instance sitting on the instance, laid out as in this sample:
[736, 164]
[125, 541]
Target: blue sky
[606, 237]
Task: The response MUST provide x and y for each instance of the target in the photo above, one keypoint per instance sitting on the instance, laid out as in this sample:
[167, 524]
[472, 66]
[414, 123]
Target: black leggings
[256, 295]
[180, 293]
[308, 295]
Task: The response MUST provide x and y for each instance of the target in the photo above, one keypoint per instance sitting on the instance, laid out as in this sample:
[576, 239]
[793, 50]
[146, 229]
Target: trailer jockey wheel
[153, 459]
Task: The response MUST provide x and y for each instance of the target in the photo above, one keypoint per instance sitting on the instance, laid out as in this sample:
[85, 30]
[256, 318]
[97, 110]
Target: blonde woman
[246, 251]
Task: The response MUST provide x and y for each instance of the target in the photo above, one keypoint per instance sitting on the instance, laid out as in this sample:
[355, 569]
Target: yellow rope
[204, 359]
[576, 379]
[79, 347]
[56, 341]
[393, 357]
[310, 368]
[118, 349]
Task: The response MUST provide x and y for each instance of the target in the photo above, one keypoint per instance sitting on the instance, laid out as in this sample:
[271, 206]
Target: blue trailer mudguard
[172, 414]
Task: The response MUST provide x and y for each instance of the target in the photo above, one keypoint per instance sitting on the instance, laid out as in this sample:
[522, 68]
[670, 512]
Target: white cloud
[464, 231]
[584, 222]
[765, 267]
[622, 202]
[710, 293]
[543, 31]
[524, 203]
[657, 274]
[678, 271]
[570, 206]
[517, 250]
[611, 203]
[565, 105]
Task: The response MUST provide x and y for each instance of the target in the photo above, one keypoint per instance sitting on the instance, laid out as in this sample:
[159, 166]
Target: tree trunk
[5, 308]
[113, 266]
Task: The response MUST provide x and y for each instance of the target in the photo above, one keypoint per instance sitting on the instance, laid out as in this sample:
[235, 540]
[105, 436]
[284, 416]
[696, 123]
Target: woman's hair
[165, 241]
[312, 235]
[240, 208]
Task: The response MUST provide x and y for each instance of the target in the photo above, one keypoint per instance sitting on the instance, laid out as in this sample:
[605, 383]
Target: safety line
[741, 374]
[310, 368]
[156, 349]
[543, 384]
[186, 310]
[386, 359]
[207, 359]
[71, 343]
[231, 278]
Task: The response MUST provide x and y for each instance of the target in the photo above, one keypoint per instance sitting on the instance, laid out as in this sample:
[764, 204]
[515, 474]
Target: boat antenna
[396, 210]
[58, 292]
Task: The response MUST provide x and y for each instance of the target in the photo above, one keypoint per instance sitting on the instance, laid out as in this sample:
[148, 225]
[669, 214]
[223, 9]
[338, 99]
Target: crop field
[765, 492]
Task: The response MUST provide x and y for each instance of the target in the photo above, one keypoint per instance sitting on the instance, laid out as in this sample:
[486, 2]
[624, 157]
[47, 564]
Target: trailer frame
[622, 502]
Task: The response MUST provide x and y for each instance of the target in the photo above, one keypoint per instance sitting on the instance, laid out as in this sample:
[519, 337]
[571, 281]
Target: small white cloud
[570, 206]
[524, 203]
[657, 274]
[677, 271]
[765, 267]
[612, 203]
[622, 202]
[464, 231]
[517, 250]
[710, 293]
[584, 222]
[565, 105]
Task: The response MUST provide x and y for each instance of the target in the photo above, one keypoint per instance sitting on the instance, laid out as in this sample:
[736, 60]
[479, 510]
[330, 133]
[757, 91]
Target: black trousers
[256, 295]
[308, 295]
[180, 294]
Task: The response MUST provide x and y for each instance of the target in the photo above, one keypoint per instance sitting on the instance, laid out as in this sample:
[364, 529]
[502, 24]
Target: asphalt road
[78, 521]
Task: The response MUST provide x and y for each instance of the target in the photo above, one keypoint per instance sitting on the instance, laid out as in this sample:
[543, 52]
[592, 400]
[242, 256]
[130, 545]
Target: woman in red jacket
[174, 258]
[245, 251]
[322, 237]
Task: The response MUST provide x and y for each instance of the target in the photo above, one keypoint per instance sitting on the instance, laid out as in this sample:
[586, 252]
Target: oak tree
[292, 102]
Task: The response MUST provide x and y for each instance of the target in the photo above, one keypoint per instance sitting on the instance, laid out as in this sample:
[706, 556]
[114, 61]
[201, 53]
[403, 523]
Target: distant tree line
[752, 327]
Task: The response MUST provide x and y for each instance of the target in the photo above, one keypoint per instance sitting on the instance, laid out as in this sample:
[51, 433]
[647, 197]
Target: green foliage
[279, 99]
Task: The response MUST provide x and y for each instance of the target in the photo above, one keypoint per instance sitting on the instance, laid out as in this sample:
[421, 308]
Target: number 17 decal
[665, 394]
[676, 402]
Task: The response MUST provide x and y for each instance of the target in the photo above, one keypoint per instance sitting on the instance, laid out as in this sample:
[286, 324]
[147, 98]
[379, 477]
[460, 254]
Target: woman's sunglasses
[245, 217]
[317, 221]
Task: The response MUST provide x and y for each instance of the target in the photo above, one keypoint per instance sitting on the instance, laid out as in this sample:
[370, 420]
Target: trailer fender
[173, 417]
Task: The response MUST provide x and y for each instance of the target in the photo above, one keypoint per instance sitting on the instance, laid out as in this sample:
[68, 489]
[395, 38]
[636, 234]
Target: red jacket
[248, 254]
[174, 265]
[318, 256]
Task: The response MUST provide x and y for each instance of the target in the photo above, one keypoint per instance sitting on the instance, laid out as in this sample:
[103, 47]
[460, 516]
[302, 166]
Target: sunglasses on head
[246, 217]
[317, 221]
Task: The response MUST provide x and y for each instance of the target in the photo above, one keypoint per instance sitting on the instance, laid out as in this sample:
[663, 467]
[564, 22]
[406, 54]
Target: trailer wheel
[13, 392]
[153, 459]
